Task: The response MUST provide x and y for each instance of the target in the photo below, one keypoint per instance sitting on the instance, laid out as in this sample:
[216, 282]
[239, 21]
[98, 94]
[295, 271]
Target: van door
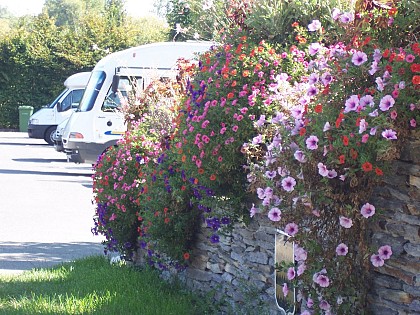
[66, 105]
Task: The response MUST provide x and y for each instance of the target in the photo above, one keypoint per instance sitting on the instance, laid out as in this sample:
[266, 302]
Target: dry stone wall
[240, 269]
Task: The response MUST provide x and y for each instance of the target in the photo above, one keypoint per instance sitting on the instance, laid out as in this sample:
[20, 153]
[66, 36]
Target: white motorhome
[98, 124]
[43, 123]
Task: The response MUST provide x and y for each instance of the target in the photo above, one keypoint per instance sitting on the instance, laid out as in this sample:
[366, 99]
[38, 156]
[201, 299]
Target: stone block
[408, 231]
[263, 236]
[410, 219]
[412, 249]
[398, 274]
[414, 181]
[199, 275]
[258, 257]
[380, 309]
[227, 277]
[415, 307]
[385, 281]
[215, 268]
[238, 257]
[414, 208]
[413, 290]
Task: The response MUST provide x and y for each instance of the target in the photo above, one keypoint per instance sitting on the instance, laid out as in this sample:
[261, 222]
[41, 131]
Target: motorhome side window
[126, 87]
[72, 100]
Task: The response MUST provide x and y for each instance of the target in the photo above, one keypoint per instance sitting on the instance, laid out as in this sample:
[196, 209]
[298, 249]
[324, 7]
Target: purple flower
[313, 78]
[314, 26]
[314, 48]
[346, 17]
[297, 111]
[312, 142]
[389, 134]
[215, 238]
[380, 84]
[322, 280]
[274, 214]
[376, 260]
[322, 170]
[300, 253]
[291, 273]
[385, 252]
[413, 123]
[324, 305]
[253, 211]
[362, 126]
[335, 14]
[312, 91]
[367, 210]
[359, 58]
[342, 249]
[288, 183]
[332, 173]
[374, 68]
[270, 174]
[366, 100]
[346, 222]
[351, 103]
[291, 229]
[260, 122]
[327, 127]
[301, 269]
[300, 156]
[386, 103]
[326, 78]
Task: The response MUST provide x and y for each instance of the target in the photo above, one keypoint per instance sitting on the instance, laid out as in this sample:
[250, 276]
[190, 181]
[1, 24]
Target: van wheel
[49, 135]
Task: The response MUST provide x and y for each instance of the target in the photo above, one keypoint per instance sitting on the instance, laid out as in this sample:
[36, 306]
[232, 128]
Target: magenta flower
[309, 302]
[288, 183]
[322, 170]
[346, 17]
[314, 26]
[297, 111]
[359, 58]
[332, 173]
[386, 103]
[366, 100]
[253, 211]
[365, 138]
[389, 134]
[300, 253]
[413, 123]
[351, 104]
[367, 210]
[393, 115]
[385, 252]
[274, 214]
[300, 156]
[346, 222]
[291, 273]
[312, 91]
[342, 249]
[312, 142]
[324, 305]
[376, 260]
[409, 58]
[291, 229]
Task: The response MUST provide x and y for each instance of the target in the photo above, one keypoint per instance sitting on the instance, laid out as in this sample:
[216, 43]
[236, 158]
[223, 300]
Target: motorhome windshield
[52, 105]
[92, 89]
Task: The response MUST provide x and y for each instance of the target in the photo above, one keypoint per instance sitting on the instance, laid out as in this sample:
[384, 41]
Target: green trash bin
[24, 113]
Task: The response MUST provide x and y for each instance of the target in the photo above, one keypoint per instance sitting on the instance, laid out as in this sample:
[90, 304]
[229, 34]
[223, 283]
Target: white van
[43, 123]
[98, 124]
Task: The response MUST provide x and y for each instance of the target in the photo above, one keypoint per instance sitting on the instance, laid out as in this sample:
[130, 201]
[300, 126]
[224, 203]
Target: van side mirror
[115, 83]
[59, 107]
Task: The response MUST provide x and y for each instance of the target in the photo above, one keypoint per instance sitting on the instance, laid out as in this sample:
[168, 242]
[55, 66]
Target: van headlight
[33, 121]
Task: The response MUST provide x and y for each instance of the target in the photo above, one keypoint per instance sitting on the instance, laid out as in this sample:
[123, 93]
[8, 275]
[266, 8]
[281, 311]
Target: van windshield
[52, 105]
[92, 89]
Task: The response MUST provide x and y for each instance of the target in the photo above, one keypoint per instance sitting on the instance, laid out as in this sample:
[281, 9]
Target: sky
[33, 7]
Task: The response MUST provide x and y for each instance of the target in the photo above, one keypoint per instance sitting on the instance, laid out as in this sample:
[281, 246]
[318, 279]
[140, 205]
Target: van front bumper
[37, 131]
[81, 152]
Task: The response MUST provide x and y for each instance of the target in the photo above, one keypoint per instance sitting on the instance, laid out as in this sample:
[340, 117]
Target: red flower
[342, 159]
[386, 53]
[318, 108]
[345, 140]
[167, 220]
[416, 80]
[378, 171]
[212, 177]
[392, 11]
[415, 67]
[367, 167]
[186, 256]
[302, 131]
[295, 24]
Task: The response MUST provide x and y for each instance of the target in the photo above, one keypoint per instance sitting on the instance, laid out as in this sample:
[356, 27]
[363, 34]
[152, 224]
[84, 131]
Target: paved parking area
[46, 206]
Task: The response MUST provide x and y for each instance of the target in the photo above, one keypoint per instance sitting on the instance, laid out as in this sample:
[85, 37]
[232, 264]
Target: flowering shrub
[321, 153]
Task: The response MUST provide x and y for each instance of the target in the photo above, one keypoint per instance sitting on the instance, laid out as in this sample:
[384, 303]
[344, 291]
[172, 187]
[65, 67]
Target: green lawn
[93, 286]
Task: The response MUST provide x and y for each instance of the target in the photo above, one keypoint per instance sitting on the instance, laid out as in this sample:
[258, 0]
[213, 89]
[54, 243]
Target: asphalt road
[46, 206]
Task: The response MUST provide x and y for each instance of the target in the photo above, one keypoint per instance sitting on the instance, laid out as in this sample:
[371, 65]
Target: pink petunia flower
[365, 138]
[342, 249]
[366, 100]
[413, 123]
[314, 48]
[291, 229]
[300, 156]
[322, 280]
[291, 273]
[393, 115]
[385, 252]
[409, 58]
[288, 183]
[351, 104]
[376, 260]
[389, 134]
[346, 222]
[285, 289]
[362, 125]
[322, 170]
[309, 302]
[312, 142]
[359, 58]
[367, 210]
[274, 214]
[314, 26]
[300, 253]
[346, 17]
[324, 305]
[386, 103]
[301, 269]
[327, 127]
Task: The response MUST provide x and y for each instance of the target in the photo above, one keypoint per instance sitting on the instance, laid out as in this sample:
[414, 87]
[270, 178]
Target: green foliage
[36, 56]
